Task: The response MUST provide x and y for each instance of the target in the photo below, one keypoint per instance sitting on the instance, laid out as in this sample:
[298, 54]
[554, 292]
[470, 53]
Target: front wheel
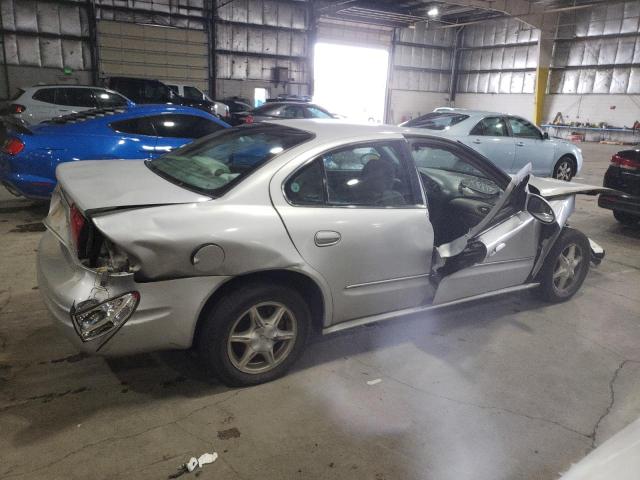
[564, 169]
[626, 218]
[254, 334]
[566, 266]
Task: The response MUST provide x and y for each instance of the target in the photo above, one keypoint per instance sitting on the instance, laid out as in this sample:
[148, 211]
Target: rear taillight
[13, 146]
[77, 222]
[626, 163]
[16, 108]
[248, 119]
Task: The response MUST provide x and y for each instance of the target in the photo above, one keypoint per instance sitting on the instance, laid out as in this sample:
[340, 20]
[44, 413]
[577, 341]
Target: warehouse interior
[507, 388]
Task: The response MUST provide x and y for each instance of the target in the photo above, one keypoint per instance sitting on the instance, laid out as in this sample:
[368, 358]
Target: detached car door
[531, 147]
[357, 216]
[485, 240]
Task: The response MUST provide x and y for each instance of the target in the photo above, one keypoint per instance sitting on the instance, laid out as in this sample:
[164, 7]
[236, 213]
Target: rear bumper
[623, 203]
[165, 318]
[25, 185]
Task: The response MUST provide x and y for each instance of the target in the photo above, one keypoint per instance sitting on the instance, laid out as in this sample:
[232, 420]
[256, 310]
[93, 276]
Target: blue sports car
[29, 155]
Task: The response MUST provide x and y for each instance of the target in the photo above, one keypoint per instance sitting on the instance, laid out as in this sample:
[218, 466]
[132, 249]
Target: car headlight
[93, 319]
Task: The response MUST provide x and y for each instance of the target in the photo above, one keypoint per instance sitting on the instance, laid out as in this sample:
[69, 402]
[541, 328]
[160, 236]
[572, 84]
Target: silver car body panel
[552, 188]
[510, 153]
[379, 268]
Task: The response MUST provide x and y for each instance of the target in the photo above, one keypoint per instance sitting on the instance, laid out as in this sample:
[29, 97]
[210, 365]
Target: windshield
[219, 161]
[436, 120]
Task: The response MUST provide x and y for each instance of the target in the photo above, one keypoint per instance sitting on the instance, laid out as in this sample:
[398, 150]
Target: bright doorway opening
[351, 81]
[260, 96]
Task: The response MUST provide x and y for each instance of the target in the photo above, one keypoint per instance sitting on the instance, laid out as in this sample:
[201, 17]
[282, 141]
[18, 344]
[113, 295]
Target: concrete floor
[509, 388]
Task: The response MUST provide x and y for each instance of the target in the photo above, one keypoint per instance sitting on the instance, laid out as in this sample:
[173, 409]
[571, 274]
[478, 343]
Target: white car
[44, 102]
[509, 141]
[194, 93]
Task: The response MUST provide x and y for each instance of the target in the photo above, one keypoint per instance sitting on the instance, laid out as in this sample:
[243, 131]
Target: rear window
[436, 120]
[216, 163]
[47, 95]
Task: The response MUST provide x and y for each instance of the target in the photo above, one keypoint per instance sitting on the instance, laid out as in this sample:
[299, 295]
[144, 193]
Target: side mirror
[540, 209]
[545, 136]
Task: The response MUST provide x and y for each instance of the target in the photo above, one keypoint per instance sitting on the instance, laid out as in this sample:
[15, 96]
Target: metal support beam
[93, 41]
[545, 53]
[455, 68]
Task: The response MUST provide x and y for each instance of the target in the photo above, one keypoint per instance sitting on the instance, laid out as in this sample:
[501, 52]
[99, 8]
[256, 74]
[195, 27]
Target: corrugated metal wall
[252, 38]
[422, 59]
[41, 38]
[597, 50]
[499, 56]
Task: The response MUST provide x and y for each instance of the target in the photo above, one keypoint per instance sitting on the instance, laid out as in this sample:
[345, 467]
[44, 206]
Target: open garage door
[171, 55]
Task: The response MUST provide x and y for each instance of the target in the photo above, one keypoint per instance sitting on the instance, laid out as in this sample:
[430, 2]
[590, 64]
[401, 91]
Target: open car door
[496, 254]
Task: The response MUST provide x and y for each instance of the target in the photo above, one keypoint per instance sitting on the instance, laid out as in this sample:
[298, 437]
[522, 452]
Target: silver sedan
[510, 142]
[242, 243]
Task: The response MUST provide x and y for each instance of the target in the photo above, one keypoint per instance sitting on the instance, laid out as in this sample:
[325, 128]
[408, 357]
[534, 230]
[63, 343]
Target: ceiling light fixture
[433, 12]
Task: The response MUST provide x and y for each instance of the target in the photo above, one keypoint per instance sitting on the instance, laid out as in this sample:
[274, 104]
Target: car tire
[564, 169]
[626, 218]
[565, 267]
[238, 317]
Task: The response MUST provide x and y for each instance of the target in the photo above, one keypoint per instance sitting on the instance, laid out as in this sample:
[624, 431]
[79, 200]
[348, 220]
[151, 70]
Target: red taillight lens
[13, 146]
[77, 222]
[626, 163]
[248, 119]
[17, 108]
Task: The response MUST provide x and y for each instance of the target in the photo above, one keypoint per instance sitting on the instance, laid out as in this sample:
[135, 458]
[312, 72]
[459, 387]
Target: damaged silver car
[241, 243]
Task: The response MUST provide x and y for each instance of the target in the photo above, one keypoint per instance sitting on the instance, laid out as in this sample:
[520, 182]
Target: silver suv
[241, 243]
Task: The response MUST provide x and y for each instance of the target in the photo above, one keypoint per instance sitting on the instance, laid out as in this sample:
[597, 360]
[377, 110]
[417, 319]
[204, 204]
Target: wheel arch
[307, 287]
[570, 156]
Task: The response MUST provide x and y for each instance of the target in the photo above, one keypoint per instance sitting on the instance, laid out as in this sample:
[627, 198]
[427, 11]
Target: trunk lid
[111, 184]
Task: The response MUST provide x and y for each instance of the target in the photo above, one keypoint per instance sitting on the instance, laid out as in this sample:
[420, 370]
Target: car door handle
[520, 144]
[476, 141]
[326, 238]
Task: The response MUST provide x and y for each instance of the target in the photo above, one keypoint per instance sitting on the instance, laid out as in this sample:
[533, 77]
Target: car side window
[183, 126]
[313, 112]
[306, 187]
[109, 99]
[375, 175]
[523, 129]
[77, 97]
[491, 127]
[193, 93]
[47, 95]
[135, 126]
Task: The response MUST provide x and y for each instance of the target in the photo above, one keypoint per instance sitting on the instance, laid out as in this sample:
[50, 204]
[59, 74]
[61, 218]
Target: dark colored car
[238, 109]
[286, 110]
[623, 174]
[143, 91]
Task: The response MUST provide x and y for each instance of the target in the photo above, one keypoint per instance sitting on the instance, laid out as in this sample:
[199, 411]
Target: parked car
[284, 110]
[623, 174]
[194, 93]
[241, 243]
[509, 141]
[143, 91]
[238, 108]
[43, 102]
[29, 155]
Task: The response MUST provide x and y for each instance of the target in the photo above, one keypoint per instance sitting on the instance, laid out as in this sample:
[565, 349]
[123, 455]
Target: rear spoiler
[15, 124]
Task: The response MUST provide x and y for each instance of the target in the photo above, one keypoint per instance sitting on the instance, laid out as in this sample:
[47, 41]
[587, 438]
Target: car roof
[62, 85]
[468, 111]
[328, 129]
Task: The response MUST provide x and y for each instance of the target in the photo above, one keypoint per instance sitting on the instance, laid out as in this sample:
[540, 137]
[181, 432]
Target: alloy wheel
[564, 171]
[567, 268]
[262, 337]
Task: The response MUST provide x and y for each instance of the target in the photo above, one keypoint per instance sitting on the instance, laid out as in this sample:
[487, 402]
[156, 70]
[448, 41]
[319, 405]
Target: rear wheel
[626, 218]
[564, 169]
[566, 266]
[254, 334]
